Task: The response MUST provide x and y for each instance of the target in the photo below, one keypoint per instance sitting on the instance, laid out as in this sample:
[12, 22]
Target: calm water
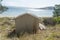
[14, 11]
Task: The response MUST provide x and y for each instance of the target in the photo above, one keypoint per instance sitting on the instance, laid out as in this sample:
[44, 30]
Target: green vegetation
[57, 19]
[56, 11]
[2, 8]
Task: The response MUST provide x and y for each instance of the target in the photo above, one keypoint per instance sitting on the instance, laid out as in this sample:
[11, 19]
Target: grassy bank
[51, 33]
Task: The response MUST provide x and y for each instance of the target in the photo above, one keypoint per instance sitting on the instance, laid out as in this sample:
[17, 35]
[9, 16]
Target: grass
[1, 19]
[51, 33]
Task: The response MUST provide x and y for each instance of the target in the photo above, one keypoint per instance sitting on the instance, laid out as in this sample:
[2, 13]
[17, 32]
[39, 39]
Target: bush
[49, 21]
[57, 19]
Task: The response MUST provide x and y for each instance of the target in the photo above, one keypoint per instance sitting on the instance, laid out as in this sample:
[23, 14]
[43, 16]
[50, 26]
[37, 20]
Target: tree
[56, 12]
[2, 8]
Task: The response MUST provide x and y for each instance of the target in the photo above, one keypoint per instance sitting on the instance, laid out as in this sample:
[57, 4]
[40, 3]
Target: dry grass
[51, 33]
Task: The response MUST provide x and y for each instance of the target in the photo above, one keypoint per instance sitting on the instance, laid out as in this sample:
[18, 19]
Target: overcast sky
[30, 3]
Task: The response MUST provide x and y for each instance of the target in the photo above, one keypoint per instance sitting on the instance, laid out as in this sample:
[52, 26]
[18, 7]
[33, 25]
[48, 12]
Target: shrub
[49, 21]
[57, 19]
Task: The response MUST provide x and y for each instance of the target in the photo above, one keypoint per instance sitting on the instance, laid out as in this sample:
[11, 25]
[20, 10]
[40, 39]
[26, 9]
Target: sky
[30, 3]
